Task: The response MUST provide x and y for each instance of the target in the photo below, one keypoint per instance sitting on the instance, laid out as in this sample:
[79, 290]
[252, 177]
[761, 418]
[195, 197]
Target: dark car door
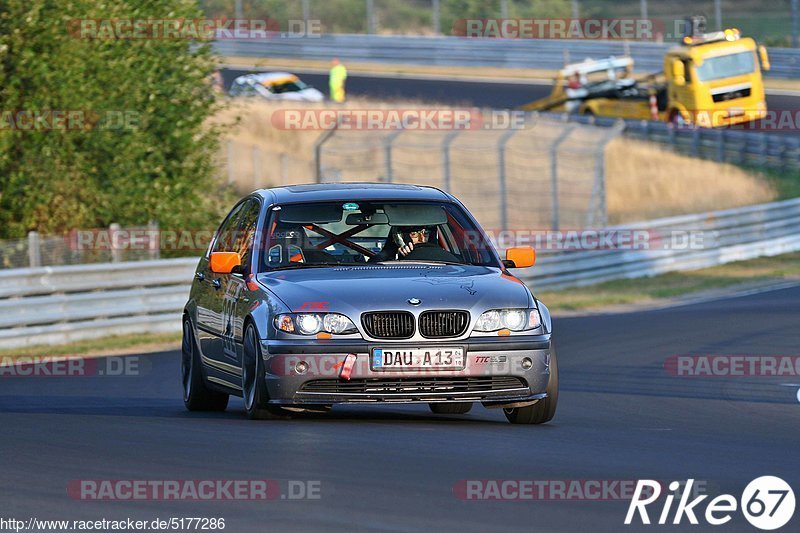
[209, 287]
[234, 293]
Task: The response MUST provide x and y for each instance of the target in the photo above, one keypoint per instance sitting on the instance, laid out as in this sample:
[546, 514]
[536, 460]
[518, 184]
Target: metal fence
[549, 174]
[50, 305]
[719, 237]
[779, 151]
[112, 244]
[467, 52]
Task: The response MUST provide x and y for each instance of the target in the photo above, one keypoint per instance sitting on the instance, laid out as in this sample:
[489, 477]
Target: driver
[420, 248]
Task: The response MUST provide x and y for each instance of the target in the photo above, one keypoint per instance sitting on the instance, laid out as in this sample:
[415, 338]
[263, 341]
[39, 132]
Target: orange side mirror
[522, 257]
[223, 262]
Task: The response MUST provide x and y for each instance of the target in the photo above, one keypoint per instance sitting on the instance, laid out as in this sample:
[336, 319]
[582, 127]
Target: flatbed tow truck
[710, 80]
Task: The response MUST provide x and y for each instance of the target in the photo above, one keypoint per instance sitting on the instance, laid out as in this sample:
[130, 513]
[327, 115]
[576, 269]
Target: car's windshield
[715, 68]
[288, 87]
[356, 232]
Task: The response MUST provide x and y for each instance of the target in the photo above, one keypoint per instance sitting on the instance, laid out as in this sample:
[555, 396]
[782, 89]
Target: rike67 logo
[767, 503]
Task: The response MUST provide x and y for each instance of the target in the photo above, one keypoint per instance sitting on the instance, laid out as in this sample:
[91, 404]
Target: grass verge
[674, 284]
[786, 183]
[117, 345]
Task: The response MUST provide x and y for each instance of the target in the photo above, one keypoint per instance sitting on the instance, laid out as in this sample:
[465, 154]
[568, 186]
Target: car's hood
[353, 290]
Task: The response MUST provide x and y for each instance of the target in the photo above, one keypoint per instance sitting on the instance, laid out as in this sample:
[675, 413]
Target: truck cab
[715, 80]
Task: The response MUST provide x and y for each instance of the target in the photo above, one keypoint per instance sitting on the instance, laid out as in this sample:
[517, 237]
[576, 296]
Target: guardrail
[727, 236]
[472, 52]
[53, 305]
[779, 151]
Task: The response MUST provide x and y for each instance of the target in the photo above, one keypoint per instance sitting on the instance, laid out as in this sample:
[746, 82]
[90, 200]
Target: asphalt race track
[481, 93]
[621, 416]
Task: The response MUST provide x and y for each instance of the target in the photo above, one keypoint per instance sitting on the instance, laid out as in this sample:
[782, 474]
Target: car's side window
[223, 239]
[243, 242]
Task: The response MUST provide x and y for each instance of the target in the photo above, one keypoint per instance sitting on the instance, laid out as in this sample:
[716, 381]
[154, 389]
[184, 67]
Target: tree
[139, 146]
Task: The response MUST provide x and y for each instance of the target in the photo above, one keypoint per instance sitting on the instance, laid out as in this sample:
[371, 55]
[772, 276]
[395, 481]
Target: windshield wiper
[305, 265]
[424, 262]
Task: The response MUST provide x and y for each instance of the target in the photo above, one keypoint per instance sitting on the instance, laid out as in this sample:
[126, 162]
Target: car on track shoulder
[315, 295]
[275, 86]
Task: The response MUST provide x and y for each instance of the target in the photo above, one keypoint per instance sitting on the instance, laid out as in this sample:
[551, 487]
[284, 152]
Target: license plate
[735, 112]
[444, 358]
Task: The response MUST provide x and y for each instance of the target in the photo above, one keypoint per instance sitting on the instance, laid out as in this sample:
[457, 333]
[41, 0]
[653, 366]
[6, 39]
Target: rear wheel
[543, 410]
[197, 396]
[458, 408]
[254, 388]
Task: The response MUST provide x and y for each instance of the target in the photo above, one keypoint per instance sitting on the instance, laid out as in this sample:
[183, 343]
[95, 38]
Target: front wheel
[196, 394]
[254, 388]
[543, 410]
[457, 408]
[676, 119]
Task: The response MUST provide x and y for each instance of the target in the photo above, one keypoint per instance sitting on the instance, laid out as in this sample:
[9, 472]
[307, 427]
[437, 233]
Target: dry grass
[284, 156]
[643, 181]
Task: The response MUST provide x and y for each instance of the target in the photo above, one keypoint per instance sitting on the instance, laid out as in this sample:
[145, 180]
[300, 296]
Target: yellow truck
[710, 80]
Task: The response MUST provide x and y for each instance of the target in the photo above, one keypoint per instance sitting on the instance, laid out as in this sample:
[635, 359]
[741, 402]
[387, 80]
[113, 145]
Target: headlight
[333, 323]
[308, 324]
[313, 323]
[489, 321]
[512, 319]
[284, 323]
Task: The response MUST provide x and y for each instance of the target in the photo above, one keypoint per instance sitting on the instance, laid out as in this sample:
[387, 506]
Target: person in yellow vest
[336, 80]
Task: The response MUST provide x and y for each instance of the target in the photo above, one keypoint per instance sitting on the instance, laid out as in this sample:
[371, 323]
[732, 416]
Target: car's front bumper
[493, 372]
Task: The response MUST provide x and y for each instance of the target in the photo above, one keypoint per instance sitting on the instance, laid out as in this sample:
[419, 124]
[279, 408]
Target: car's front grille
[413, 386]
[389, 324]
[441, 324]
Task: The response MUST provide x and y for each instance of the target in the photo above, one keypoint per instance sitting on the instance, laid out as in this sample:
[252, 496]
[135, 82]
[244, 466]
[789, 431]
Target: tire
[543, 410]
[459, 408]
[197, 396]
[254, 389]
[676, 119]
